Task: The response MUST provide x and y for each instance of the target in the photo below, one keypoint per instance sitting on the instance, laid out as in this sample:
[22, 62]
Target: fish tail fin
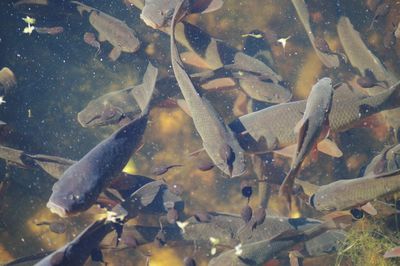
[286, 188]
[144, 92]
[82, 7]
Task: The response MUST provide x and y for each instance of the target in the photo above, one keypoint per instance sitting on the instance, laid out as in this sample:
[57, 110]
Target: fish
[354, 193]
[328, 59]
[348, 107]
[313, 125]
[381, 11]
[78, 250]
[49, 30]
[116, 32]
[158, 13]
[55, 227]
[121, 106]
[386, 161]
[257, 253]
[363, 59]
[218, 140]
[81, 184]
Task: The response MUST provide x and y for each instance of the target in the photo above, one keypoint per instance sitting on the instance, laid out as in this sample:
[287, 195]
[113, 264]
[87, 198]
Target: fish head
[96, 114]
[70, 198]
[265, 89]
[157, 14]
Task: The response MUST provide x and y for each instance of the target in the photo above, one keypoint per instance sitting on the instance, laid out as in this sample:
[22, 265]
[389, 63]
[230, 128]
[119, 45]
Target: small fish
[218, 141]
[7, 79]
[163, 169]
[49, 30]
[78, 250]
[246, 213]
[354, 193]
[96, 169]
[205, 166]
[309, 129]
[90, 39]
[158, 13]
[110, 29]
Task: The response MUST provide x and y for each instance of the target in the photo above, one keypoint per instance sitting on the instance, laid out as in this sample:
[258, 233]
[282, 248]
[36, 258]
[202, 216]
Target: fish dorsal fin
[147, 193]
[344, 92]
[368, 208]
[184, 106]
[82, 7]
[206, 6]
[193, 59]
[143, 92]
[330, 148]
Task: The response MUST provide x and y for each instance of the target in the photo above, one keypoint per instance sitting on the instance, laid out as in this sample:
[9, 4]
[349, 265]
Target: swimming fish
[218, 139]
[120, 106]
[7, 79]
[348, 107]
[90, 39]
[158, 13]
[110, 29]
[387, 161]
[49, 30]
[312, 126]
[354, 193]
[78, 250]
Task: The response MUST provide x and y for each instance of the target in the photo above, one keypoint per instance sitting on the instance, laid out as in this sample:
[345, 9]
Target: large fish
[348, 107]
[309, 129]
[387, 161]
[158, 13]
[78, 250]
[354, 193]
[79, 186]
[218, 140]
[122, 105]
[110, 29]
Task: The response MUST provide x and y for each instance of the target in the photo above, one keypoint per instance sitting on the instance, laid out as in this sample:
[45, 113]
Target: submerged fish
[353, 193]
[387, 161]
[7, 79]
[78, 250]
[348, 107]
[218, 140]
[110, 29]
[90, 39]
[158, 13]
[119, 106]
[313, 124]
[49, 30]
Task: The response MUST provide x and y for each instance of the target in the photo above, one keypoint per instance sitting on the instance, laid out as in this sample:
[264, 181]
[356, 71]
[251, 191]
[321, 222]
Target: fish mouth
[57, 209]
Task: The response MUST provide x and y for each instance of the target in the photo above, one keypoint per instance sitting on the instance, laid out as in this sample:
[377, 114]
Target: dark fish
[205, 166]
[246, 213]
[158, 13]
[82, 183]
[90, 39]
[218, 140]
[309, 129]
[55, 227]
[78, 250]
[117, 106]
[163, 169]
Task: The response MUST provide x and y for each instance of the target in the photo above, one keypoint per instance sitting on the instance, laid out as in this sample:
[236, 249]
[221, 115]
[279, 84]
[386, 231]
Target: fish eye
[311, 201]
[357, 214]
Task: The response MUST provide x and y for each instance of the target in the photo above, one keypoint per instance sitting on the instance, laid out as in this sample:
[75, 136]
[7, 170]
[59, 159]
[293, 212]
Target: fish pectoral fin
[368, 208]
[342, 219]
[298, 126]
[184, 106]
[97, 255]
[114, 54]
[193, 59]
[288, 151]
[206, 6]
[143, 92]
[330, 148]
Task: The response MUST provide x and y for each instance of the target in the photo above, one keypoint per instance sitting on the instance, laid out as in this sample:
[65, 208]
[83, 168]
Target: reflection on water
[58, 74]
